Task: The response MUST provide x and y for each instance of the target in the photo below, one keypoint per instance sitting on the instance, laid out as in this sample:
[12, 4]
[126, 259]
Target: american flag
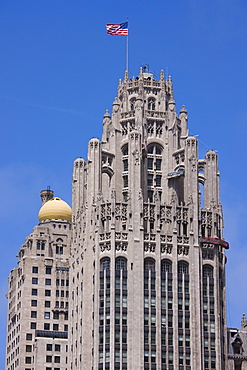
[117, 29]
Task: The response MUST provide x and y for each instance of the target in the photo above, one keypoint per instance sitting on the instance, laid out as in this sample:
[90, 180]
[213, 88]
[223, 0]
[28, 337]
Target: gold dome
[55, 209]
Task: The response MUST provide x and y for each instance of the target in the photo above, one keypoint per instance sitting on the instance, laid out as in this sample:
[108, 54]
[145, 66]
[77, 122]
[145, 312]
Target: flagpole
[127, 48]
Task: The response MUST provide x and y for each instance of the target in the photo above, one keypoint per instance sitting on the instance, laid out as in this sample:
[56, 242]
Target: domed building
[38, 292]
[55, 209]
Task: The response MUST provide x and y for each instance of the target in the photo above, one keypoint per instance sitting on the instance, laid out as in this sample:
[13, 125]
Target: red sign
[215, 241]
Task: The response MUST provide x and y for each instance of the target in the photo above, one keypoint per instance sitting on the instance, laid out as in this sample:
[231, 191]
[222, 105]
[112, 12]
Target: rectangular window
[158, 164]
[153, 337]
[59, 250]
[117, 301]
[35, 270]
[125, 164]
[57, 347]
[187, 340]
[28, 336]
[170, 358]
[146, 337]
[34, 291]
[150, 163]
[28, 360]
[153, 356]
[158, 180]
[187, 322]
[153, 302]
[28, 348]
[55, 327]
[107, 356]
[124, 318]
[46, 326]
[153, 320]
[146, 319]
[34, 314]
[46, 315]
[56, 315]
[48, 270]
[33, 325]
[47, 304]
[212, 327]
[33, 303]
[117, 336]
[150, 180]
[117, 355]
[124, 301]
[62, 282]
[49, 347]
[47, 281]
[47, 293]
[48, 358]
[170, 339]
[125, 181]
[187, 359]
[124, 356]
[124, 337]
[57, 360]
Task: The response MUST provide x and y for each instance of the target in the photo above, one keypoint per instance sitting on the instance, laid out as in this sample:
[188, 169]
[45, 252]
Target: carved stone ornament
[166, 248]
[136, 155]
[149, 247]
[183, 249]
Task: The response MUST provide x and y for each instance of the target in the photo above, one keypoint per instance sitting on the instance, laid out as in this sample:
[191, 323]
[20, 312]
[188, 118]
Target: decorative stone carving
[149, 247]
[183, 249]
[166, 248]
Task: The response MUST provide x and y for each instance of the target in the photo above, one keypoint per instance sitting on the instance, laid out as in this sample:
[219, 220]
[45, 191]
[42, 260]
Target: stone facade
[147, 254]
[38, 299]
[237, 347]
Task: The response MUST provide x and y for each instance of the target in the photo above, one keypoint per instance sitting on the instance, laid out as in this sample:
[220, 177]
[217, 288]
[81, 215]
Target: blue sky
[59, 73]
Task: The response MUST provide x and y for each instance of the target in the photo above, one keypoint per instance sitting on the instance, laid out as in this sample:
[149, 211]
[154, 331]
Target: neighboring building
[38, 293]
[237, 347]
[147, 255]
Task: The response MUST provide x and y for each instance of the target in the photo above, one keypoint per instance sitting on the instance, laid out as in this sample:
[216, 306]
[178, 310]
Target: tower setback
[147, 266]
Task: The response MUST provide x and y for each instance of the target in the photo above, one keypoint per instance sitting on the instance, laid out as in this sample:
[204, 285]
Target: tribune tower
[147, 255]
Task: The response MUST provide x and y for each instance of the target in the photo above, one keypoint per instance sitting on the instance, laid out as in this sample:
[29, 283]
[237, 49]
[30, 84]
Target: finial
[162, 75]
[244, 323]
[126, 76]
[183, 109]
[140, 72]
[107, 114]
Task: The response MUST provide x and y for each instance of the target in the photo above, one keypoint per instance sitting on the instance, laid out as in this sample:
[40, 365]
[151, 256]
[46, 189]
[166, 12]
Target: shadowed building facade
[147, 254]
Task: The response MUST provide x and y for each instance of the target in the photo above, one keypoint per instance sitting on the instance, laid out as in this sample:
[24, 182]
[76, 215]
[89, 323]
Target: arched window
[121, 264]
[208, 271]
[151, 104]
[149, 264]
[166, 266]
[183, 268]
[105, 264]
